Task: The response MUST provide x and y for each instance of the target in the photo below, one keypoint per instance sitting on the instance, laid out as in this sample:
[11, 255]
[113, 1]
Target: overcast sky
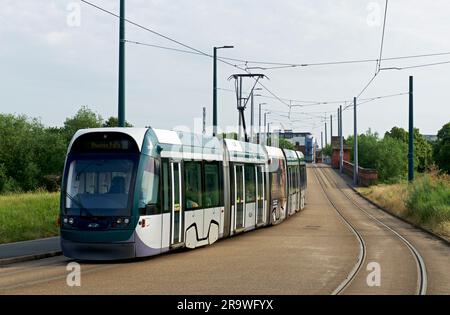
[50, 65]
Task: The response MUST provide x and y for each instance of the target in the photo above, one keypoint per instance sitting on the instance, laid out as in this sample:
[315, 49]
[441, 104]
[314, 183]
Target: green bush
[428, 200]
[387, 156]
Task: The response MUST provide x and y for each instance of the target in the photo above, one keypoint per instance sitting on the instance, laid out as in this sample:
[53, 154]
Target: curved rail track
[421, 268]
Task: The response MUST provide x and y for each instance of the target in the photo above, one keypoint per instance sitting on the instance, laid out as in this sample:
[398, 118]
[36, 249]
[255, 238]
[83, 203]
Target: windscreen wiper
[79, 204]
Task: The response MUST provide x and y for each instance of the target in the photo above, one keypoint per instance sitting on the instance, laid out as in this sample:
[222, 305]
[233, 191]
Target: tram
[136, 192]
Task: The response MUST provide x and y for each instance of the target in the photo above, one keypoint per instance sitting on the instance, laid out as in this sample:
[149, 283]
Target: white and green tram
[136, 192]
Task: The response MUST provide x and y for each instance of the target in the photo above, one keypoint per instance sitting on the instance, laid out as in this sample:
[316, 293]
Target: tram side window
[250, 183]
[166, 189]
[212, 185]
[193, 185]
[148, 201]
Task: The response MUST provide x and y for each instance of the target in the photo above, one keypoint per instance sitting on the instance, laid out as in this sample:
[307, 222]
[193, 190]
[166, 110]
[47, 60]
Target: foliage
[387, 155]
[422, 148]
[28, 151]
[425, 201]
[28, 216]
[441, 149]
[285, 144]
[114, 122]
[84, 118]
[31, 155]
[429, 200]
[327, 150]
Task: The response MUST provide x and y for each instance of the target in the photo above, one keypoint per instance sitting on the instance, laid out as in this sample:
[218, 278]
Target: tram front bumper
[98, 251]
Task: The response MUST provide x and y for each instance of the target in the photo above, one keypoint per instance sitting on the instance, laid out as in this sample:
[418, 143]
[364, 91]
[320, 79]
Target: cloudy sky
[55, 58]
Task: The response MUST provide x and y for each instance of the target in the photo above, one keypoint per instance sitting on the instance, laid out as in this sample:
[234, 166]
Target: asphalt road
[312, 252]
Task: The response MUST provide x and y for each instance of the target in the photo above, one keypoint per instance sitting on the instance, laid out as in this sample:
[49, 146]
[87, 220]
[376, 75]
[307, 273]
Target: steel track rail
[422, 279]
[362, 246]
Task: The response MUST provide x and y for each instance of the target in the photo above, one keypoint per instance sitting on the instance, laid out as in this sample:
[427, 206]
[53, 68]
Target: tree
[114, 122]
[422, 148]
[285, 144]
[327, 150]
[441, 149]
[84, 118]
[386, 155]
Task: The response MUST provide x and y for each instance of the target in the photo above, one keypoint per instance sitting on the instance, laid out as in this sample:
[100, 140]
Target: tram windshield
[99, 187]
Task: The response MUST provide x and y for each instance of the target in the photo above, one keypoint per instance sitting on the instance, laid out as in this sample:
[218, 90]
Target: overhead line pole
[121, 96]
[341, 142]
[355, 145]
[331, 128]
[411, 133]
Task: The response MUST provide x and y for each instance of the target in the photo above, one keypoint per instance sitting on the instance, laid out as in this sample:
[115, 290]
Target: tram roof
[138, 134]
[291, 157]
[239, 151]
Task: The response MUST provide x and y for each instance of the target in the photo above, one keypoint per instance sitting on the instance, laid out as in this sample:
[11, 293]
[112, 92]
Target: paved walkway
[29, 248]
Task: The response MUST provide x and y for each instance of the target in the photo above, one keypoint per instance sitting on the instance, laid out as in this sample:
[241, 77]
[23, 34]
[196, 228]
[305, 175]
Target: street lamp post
[252, 114]
[266, 132]
[259, 124]
[215, 87]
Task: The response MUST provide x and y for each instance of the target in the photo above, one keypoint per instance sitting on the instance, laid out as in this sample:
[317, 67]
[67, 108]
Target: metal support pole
[121, 101]
[204, 120]
[252, 119]
[326, 143]
[341, 142]
[331, 129]
[265, 129]
[321, 139]
[259, 124]
[355, 145]
[215, 91]
[411, 133]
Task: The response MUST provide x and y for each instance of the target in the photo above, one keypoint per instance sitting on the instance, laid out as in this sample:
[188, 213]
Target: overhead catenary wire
[281, 65]
[179, 43]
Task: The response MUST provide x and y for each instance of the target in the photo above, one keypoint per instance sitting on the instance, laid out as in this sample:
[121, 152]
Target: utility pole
[215, 87]
[326, 143]
[121, 101]
[204, 120]
[331, 128]
[411, 133]
[265, 130]
[341, 142]
[252, 118]
[355, 145]
[259, 125]
[321, 139]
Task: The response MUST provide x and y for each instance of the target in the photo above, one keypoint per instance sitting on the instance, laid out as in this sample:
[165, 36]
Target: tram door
[239, 200]
[260, 195]
[177, 209]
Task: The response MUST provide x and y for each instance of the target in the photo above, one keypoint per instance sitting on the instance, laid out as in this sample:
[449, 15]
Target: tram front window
[99, 187]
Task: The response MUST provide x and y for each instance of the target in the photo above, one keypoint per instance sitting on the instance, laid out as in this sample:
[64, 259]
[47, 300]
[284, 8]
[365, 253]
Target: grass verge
[425, 202]
[28, 216]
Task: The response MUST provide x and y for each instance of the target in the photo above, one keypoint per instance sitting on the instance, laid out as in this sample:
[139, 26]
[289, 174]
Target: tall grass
[428, 201]
[425, 201]
[28, 216]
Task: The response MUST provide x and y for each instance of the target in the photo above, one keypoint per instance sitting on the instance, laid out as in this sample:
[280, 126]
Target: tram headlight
[65, 220]
[71, 221]
[119, 221]
[126, 221]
